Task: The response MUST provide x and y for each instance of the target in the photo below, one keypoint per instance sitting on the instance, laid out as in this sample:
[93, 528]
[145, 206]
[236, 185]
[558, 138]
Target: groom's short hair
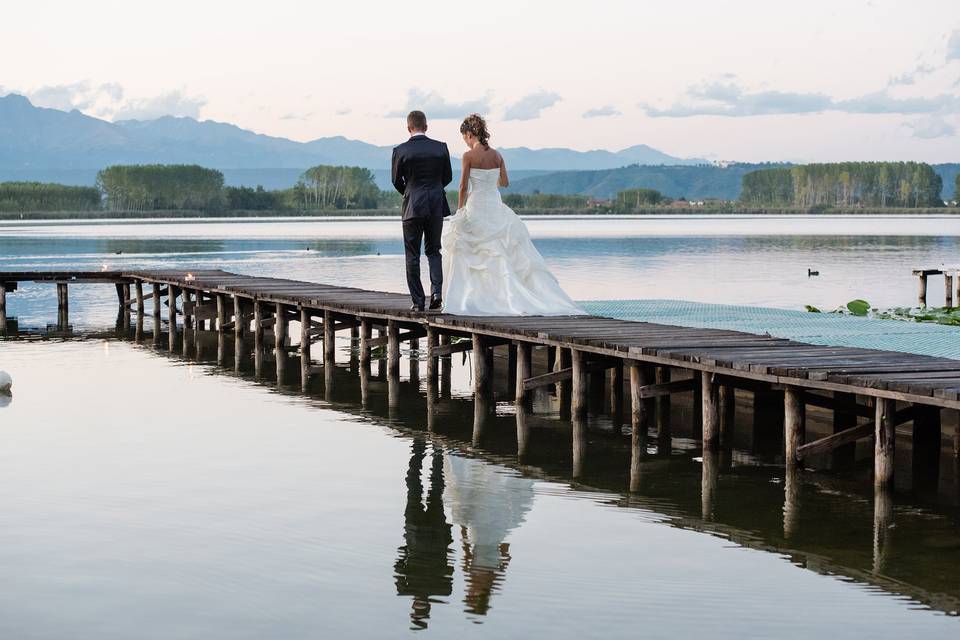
[417, 120]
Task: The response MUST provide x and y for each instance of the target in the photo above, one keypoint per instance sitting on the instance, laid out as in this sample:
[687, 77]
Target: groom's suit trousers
[427, 230]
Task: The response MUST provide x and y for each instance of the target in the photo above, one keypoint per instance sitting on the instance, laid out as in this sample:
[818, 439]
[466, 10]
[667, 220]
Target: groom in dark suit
[420, 171]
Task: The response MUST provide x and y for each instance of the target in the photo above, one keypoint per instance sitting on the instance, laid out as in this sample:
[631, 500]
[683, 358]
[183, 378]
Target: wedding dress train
[490, 266]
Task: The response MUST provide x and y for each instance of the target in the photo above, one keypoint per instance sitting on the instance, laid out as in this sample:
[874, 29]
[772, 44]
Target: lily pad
[859, 307]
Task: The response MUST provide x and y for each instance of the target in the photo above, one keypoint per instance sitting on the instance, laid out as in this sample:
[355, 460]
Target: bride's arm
[504, 180]
[464, 181]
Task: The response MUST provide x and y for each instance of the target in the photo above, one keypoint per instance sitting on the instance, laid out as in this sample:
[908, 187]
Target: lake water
[197, 491]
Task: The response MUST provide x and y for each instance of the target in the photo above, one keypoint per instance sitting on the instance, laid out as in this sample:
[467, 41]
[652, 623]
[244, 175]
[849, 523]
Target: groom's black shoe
[416, 307]
[436, 303]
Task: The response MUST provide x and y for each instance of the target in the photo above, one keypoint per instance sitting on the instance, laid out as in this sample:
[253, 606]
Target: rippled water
[196, 491]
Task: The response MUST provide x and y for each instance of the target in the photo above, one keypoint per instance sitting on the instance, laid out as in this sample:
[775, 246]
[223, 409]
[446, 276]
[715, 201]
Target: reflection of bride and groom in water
[485, 503]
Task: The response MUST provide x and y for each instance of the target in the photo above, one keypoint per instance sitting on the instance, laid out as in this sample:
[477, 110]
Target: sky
[737, 80]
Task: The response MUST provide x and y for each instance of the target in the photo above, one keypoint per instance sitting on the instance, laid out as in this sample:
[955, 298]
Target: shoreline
[379, 214]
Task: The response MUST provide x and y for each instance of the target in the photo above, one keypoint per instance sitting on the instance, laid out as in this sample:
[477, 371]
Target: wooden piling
[172, 292]
[616, 393]
[446, 370]
[280, 327]
[579, 432]
[552, 357]
[794, 414]
[238, 321]
[563, 388]
[393, 347]
[304, 345]
[258, 325]
[138, 285]
[710, 410]
[884, 443]
[578, 385]
[156, 307]
[482, 371]
[221, 311]
[709, 479]
[366, 333]
[188, 309]
[639, 420]
[922, 296]
[3, 299]
[791, 500]
[948, 289]
[329, 338]
[664, 437]
[63, 306]
[433, 364]
[524, 371]
[511, 366]
[523, 430]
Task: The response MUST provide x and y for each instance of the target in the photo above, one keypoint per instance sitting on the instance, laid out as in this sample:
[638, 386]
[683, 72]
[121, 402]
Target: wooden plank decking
[883, 374]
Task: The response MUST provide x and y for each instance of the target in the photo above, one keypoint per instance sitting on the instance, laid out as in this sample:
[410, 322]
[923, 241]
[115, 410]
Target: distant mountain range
[49, 145]
[41, 141]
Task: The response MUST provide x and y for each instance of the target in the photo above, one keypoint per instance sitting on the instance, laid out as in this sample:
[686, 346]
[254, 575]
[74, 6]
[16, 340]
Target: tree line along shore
[183, 191]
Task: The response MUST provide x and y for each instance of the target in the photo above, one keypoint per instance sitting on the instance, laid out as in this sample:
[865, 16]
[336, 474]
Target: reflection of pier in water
[830, 523]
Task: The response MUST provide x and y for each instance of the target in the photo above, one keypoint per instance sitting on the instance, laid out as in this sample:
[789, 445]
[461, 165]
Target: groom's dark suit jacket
[420, 171]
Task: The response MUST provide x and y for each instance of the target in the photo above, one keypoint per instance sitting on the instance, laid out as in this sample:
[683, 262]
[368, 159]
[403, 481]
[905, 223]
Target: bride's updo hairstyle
[476, 125]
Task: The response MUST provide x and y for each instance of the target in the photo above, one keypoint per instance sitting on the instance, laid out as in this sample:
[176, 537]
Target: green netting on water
[816, 328]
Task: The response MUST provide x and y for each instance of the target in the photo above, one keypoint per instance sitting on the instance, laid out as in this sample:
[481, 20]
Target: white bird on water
[6, 381]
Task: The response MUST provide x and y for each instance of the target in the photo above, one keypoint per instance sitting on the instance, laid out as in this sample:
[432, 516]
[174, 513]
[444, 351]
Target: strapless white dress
[490, 266]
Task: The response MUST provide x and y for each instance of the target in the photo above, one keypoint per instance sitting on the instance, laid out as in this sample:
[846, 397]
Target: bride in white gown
[490, 266]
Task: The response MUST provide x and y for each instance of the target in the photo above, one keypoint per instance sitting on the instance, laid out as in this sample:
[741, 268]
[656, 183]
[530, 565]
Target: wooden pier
[871, 392]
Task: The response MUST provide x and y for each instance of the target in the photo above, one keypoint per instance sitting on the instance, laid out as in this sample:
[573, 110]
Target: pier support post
[523, 432]
[710, 410]
[664, 437]
[3, 299]
[366, 332]
[393, 348]
[709, 478]
[238, 322]
[482, 371]
[304, 346]
[578, 384]
[329, 339]
[63, 306]
[156, 307]
[882, 527]
[188, 309]
[172, 293]
[552, 357]
[948, 289]
[640, 411]
[138, 285]
[616, 393]
[925, 467]
[433, 368]
[791, 500]
[884, 445]
[794, 414]
[221, 311]
[922, 295]
[524, 362]
[280, 327]
[512, 366]
[446, 370]
[258, 325]
[564, 387]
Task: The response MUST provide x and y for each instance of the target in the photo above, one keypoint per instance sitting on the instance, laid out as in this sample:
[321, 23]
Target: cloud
[345, 111]
[437, 108]
[953, 46]
[296, 116]
[601, 112]
[171, 103]
[728, 98]
[529, 107]
[109, 100]
[932, 127]
[911, 77]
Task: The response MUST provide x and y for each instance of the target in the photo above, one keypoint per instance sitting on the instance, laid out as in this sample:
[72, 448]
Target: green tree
[40, 196]
[157, 186]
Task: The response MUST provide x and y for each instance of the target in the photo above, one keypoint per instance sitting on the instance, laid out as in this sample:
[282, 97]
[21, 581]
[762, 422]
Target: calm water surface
[196, 491]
